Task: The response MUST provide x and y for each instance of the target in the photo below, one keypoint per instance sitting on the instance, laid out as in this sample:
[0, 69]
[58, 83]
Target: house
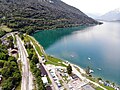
[45, 81]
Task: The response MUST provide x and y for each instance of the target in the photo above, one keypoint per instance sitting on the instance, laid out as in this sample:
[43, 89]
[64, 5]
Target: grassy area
[55, 61]
[92, 78]
[5, 28]
[98, 88]
[38, 47]
[108, 88]
[49, 81]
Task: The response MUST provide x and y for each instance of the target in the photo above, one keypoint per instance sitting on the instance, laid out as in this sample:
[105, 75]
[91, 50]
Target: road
[84, 78]
[55, 87]
[27, 77]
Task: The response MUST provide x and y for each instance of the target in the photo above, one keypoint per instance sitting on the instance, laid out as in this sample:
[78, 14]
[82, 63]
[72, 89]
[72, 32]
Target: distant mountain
[94, 16]
[113, 15]
[34, 15]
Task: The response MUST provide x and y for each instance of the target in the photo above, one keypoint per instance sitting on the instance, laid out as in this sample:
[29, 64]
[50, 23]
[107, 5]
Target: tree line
[33, 61]
[10, 70]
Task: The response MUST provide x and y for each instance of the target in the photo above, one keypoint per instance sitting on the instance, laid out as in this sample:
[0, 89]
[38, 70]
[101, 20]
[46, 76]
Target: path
[27, 77]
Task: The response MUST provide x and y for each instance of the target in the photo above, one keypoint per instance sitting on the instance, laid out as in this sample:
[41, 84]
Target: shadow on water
[44, 37]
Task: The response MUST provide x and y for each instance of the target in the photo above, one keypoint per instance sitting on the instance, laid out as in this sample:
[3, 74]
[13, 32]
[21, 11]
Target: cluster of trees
[10, 70]
[2, 33]
[88, 71]
[11, 74]
[10, 41]
[30, 25]
[3, 49]
[3, 52]
[33, 61]
[69, 69]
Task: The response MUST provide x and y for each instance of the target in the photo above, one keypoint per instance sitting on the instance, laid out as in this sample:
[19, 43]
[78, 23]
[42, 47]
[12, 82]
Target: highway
[27, 77]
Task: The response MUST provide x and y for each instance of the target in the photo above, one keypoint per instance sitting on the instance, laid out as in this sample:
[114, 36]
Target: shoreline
[82, 71]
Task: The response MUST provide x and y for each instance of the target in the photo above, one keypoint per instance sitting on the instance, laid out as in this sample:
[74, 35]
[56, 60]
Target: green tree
[2, 33]
[99, 79]
[35, 70]
[69, 69]
[88, 70]
[30, 53]
[38, 73]
[21, 36]
[0, 41]
[11, 58]
[11, 45]
[1, 63]
[6, 72]
[113, 84]
[7, 84]
[16, 78]
[10, 39]
[3, 56]
[107, 81]
[28, 45]
[40, 83]
[35, 59]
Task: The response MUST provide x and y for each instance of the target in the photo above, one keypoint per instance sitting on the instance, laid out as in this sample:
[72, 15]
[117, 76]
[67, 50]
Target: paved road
[55, 87]
[27, 78]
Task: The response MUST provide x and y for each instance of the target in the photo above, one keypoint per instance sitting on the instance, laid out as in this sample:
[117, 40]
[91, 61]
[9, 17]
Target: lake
[95, 46]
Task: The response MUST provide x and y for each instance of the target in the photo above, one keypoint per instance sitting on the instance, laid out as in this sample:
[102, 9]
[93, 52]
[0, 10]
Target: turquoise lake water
[101, 43]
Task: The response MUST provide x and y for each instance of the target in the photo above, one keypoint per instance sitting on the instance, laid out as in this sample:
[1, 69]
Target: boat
[89, 58]
[72, 56]
[99, 69]
[91, 71]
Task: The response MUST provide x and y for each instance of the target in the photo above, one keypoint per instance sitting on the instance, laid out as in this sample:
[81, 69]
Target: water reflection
[100, 43]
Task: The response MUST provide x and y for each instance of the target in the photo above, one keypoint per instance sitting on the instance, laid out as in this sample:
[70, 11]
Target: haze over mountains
[113, 15]
[94, 16]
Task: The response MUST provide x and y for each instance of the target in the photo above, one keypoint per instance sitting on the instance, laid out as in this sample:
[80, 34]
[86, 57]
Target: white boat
[91, 71]
[89, 58]
[72, 56]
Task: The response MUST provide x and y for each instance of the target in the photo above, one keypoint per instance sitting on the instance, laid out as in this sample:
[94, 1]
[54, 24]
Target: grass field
[108, 88]
[5, 28]
[55, 61]
[98, 88]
